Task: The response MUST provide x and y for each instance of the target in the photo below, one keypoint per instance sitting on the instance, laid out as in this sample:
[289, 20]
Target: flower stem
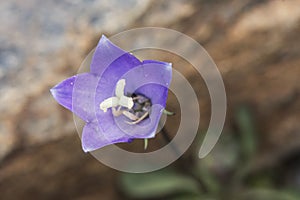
[145, 143]
[168, 112]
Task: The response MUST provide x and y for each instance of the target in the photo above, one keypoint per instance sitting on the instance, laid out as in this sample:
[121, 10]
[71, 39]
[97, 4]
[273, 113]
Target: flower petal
[63, 92]
[151, 79]
[108, 82]
[93, 138]
[146, 128]
[156, 92]
[83, 94]
[106, 53]
[151, 72]
[78, 95]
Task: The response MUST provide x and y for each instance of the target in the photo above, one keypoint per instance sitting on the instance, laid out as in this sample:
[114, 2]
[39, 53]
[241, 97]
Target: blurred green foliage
[225, 174]
[157, 184]
[247, 132]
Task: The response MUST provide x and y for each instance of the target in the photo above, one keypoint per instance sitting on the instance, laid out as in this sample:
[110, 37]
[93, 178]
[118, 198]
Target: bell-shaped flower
[120, 99]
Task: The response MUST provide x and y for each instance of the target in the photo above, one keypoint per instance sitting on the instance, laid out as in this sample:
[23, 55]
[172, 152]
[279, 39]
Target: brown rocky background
[255, 44]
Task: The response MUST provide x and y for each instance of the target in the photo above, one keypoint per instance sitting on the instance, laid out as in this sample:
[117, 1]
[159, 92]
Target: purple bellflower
[120, 99]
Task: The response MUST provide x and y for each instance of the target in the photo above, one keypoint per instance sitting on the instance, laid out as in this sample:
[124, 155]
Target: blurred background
[256, 46]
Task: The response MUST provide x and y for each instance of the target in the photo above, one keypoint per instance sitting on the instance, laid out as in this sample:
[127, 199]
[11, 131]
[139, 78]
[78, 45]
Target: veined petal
[109, 79]
[151, 79]
[93, 138]
[151, 72]
[78, 95]
[106, 53]
[144, 129]
[156, 92]
[159, 69]
[84, 93]
[63, 92]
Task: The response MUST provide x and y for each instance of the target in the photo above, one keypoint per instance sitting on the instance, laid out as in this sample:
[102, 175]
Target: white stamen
[126, 102]
[120, 88]
[119, 100]
[108, 103]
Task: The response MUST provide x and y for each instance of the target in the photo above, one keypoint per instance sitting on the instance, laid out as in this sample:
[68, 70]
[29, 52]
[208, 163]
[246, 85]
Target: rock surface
[42, 43]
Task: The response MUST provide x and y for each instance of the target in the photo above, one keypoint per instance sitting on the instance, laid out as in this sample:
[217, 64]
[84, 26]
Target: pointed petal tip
[103, 36]
[103, 39]
[85, 149]
[85, 146]
[62, 92]
[169, 66]
[53, 92]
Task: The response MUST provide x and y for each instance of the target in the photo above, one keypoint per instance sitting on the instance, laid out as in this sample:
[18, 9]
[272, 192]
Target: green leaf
[157, 184]
[208, 179]
[266, 194]
[222, 159]
[193, 197]
[247, 132]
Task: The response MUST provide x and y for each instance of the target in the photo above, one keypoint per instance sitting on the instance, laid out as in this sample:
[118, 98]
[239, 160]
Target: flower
[120, 99]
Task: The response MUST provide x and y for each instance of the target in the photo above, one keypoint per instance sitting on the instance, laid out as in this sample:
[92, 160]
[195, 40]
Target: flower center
[119, 100]
[141, 107]
[136, 108]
